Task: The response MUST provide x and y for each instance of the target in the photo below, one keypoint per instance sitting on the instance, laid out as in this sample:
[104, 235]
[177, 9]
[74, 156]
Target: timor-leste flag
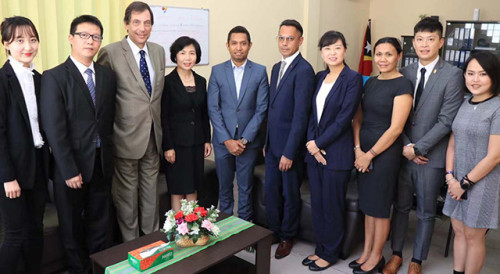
[365, 62]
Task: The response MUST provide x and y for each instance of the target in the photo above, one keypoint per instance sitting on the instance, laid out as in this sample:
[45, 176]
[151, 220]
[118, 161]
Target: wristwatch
[464, 184]
[244, 140]
[417, 152]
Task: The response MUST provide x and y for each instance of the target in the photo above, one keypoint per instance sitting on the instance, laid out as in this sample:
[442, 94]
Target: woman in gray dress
[472, 164]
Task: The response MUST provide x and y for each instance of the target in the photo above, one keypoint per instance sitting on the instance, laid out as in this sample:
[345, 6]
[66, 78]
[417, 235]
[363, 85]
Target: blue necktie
[91, 86]
[143, 66]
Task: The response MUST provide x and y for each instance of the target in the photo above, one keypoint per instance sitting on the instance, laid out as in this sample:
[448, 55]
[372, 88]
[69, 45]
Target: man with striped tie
[77, 113]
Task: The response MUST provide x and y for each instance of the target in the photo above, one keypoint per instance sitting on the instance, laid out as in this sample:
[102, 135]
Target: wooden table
[200, 261]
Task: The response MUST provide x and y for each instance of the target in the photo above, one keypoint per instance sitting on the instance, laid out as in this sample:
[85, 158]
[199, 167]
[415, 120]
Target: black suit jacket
[71, 120]
[184, 121]
[17, 150]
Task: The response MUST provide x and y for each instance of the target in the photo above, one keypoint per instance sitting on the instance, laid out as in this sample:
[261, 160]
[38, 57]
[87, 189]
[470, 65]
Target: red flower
[203, 212]
[191, 217]
[179, 215]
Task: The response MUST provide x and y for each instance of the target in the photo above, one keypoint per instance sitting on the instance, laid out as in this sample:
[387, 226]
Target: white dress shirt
[82, 68]
[428, 71]
[238, 76]
[137, 56]
[323, 92]
[289, 60]
[25, 77]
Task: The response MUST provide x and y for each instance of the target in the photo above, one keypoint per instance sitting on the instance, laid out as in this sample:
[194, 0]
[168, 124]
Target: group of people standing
[110, 123]
[102, 123]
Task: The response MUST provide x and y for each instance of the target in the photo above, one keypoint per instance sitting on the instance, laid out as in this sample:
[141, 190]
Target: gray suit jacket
[429, 124]
[136, 111]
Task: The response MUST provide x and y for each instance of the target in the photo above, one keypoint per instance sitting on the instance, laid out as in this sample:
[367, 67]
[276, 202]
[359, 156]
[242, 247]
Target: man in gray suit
[237, 103]
[438, 95]
[140, 69]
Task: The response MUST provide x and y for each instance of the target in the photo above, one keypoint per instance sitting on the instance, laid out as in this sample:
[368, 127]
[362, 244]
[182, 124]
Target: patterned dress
[472, 128]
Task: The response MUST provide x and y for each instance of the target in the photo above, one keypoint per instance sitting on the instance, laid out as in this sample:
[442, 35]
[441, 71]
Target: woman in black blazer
[24, 157]
[330, 159]
[186, 130]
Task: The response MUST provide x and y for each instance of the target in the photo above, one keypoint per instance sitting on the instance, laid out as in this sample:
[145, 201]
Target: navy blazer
[333, 133]
[289, 106]
[17, 150]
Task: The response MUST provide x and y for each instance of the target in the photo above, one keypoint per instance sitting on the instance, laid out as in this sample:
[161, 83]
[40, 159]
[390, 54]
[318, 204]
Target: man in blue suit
[291, 90]
[238, 93]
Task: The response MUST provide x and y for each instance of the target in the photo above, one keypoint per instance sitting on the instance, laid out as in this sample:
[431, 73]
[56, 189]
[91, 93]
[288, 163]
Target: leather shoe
[354, 264]
[307, 261]
[283, 249]
[314, 267]
[393, 265]
[414, 268]
[377, 269]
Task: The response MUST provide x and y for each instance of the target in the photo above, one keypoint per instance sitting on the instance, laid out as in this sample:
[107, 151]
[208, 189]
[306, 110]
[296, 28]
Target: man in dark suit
[77, 110]
[438, 95]
[237, 102]
[291, 90]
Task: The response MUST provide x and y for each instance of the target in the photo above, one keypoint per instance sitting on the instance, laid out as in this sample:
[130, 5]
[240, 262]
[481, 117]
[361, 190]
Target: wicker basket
[185, 242]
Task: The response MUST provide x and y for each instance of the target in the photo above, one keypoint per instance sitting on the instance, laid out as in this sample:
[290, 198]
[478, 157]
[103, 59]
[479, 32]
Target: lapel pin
[435, 70]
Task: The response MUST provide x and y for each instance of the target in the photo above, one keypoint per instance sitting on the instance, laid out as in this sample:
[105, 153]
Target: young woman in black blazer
[186, 130]
[24, 156]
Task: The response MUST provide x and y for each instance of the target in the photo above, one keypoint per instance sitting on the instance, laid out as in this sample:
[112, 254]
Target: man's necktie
[282, 71]
[91, 86]
[420, 87]
[143, 66]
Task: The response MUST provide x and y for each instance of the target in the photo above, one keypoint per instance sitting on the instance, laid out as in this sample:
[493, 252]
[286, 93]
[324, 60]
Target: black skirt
[186, 174]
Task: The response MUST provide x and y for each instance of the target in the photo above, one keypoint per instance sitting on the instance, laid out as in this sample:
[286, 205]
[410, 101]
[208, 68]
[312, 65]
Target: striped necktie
[91, 86]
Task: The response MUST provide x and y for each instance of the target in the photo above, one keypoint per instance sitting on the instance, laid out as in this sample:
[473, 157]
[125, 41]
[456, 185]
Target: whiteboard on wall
[171, 23]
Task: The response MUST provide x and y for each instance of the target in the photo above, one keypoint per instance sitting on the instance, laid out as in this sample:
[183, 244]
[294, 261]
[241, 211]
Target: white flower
[169, 224]
[188, 207]
[215, 230]
[195, 229]
[170, 214]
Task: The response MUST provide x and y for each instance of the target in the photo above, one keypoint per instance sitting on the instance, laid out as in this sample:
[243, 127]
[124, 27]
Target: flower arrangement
[192, 223]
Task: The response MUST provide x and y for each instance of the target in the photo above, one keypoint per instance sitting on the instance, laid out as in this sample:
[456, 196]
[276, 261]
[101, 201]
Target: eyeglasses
[285, 38]
[86, 36]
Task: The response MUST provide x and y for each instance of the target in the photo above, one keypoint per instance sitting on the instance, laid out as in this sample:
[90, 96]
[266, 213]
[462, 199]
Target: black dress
[376, 188]
[185, 129]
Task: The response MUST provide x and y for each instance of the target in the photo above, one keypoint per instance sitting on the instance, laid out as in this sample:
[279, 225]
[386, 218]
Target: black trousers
[22, 220]
[84, 216]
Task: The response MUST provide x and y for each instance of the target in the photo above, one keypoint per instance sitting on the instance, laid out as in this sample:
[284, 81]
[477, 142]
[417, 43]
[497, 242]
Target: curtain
[52, 19]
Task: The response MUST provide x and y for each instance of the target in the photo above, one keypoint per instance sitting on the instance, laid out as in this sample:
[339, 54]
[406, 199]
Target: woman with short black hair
[186, 130]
